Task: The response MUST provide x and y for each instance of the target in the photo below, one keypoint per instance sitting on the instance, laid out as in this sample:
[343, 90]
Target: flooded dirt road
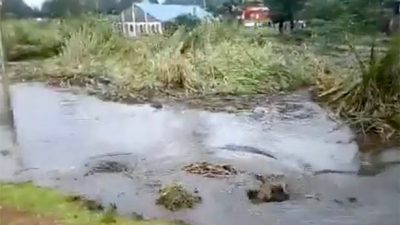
[123, 154]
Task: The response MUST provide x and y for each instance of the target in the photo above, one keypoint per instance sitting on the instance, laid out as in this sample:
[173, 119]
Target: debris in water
[261, 110]
[175, 197]
[312, 196]
[156, 105]
[137, 216]
[105, 166]
[327, 171]
[268, 193]
[230, 109]
[338, 201]
[248, 149]
[352, 199]
[91, 205]
[4, 152]
[210, 170]
[272, 189]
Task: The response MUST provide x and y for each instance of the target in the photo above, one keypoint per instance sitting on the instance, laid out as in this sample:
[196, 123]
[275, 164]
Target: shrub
[26, 39]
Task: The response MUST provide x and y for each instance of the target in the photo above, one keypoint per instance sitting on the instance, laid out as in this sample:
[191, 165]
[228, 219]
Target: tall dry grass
[211, 58]
[369, 98]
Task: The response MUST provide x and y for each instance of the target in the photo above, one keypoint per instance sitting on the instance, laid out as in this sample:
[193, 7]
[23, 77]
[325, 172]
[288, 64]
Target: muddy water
[67, 142]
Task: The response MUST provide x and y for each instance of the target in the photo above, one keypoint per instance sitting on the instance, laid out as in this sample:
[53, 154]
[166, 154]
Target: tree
[357, 15]
[108, 6]
[123, 4]
[62, 8]
[105, 6]
[285, 10]
[17, 8]
[323, 9]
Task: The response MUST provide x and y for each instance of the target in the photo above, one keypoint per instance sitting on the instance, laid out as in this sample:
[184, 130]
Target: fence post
[5, 81]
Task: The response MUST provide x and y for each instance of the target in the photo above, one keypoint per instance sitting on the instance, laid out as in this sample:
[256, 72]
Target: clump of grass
[370, 99]
[176, 197]
[48, 203]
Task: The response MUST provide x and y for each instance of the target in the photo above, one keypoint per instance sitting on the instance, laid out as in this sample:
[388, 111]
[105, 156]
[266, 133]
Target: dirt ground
[10, 216]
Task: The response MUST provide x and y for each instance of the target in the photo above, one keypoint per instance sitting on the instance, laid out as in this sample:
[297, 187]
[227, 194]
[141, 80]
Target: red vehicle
[255, 15]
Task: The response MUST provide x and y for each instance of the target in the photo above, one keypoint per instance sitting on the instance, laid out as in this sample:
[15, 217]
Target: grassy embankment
[31, 205]
[214, 59]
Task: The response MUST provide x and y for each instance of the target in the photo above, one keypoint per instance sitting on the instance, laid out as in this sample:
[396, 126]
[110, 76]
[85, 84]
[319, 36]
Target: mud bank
[122, 155]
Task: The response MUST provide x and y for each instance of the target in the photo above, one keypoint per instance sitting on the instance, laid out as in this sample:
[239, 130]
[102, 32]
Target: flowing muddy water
[123, 154]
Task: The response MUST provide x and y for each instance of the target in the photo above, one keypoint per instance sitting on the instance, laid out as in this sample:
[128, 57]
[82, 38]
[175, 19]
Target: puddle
[123, 155]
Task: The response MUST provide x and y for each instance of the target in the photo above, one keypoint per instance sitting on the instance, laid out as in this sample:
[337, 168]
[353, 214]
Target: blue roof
[169, 12]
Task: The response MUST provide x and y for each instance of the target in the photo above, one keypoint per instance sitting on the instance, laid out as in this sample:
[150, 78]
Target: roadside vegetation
[32, 205]
[369, 97]
[212, 58]
[358, 82]
[28, 39]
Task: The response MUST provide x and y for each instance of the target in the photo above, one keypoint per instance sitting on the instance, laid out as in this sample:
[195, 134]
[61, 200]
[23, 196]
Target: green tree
[105, 6]
[364, 16]
[17, 8]
[62, 8]
[286, 8]
[108, 6]
[323, 9]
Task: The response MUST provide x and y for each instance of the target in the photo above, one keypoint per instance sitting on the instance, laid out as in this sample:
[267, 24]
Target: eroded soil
[11, 216]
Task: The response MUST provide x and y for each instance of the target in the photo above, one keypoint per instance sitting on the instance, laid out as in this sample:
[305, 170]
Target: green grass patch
[25, 39]
[49, 203]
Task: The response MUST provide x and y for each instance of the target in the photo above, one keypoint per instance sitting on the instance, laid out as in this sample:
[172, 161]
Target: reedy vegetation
[369, 97]
[210, 58]
[216, 58]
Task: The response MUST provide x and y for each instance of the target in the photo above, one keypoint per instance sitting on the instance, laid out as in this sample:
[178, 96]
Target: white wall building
[148, 18]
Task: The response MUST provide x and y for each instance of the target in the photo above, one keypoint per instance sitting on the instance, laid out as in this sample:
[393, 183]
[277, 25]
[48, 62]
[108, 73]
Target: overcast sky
[34, 3]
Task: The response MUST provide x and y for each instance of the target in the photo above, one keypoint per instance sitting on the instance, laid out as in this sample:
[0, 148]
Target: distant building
[200, 3]
[148, 18]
